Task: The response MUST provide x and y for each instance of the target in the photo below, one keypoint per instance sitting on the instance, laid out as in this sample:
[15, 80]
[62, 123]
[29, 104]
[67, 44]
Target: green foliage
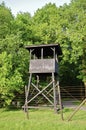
[13, 69]
[23, 25]
[65, 25]
[45, 23]
[5, 21]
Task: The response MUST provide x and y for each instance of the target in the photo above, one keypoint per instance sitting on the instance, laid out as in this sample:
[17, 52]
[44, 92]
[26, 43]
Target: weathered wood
[52, 88]
[25, 106]
[60, 103]
[41, 53]
[43, 66]
[25, 98]
[77, 108]
[54, 93]
[47, 49]
[39, 92]
[31, 53]
[53, 49]
[37, 81]
[43, 94]
[40, 106]
[69, 94]
[43, 61]
[47, 93]
[27, 93]
[29, 84]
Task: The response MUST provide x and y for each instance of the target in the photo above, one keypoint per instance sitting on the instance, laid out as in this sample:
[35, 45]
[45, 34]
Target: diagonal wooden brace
[43, 94]
[40, 91]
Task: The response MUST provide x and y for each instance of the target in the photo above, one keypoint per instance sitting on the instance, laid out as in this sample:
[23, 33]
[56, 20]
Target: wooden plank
[42, 106]
[77, 108]
[29, 84]
[25, 106]
[54, 93]
[27, 93]
[43, 94]
[39, 92]
[41, 53]
[47, 93]
[43, 66]
[60, 103]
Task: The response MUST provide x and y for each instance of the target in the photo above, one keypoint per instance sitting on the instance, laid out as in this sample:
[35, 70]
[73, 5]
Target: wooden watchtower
[43, 66]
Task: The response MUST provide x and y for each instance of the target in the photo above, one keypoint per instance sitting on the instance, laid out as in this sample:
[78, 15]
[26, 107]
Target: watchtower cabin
[43, 76]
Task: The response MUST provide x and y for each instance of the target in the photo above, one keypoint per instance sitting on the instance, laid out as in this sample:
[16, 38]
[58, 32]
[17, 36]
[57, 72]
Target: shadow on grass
[10, 109]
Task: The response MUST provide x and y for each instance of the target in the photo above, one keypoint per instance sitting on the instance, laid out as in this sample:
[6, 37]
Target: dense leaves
[50, 24]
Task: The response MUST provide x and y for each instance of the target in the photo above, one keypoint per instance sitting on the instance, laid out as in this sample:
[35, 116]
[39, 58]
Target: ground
[41, 119]
[74, 104]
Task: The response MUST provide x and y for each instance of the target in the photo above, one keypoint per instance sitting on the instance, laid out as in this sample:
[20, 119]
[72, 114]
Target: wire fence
[67, 93]
[73, 92]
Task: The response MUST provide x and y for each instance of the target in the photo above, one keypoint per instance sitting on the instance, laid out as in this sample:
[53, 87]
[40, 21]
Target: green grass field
[42, 119]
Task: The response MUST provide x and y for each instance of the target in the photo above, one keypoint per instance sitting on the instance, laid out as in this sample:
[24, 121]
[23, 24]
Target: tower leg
[26, 105]
[54, 93]
[60, 103]
[26, 96]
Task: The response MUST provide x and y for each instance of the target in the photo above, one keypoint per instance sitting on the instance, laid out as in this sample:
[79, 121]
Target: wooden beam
[54, 93]
[41, 53]
[47, 93]
[43, 94]
[53, 49]
[39, 92]
[77, 108]
[29, 82]
[31, 50]
[42, 106]
[37, 81]
[25, 106]
[60, 103]
[26, 96]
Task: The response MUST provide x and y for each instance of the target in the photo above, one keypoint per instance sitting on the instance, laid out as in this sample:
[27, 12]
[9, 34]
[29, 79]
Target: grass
[42, 119]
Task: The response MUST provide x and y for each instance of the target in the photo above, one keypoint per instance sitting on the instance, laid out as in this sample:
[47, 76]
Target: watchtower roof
[47, 49]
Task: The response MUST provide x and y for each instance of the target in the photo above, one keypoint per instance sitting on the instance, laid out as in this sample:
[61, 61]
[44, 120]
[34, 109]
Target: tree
[5, 20]
[23, 25]
[12, 58]
[65, 25]
[73, 36]
[45, 24]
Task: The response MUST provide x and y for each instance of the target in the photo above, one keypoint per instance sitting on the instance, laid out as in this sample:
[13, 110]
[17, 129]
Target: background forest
[65, 25]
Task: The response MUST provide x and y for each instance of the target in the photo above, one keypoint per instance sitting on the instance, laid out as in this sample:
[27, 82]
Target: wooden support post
[76, 110]
[27, 93]
[60, 103]
[30, 54]
[53, 49]
[25, 106]
[25, 98]
[54, 93]
[37, 81]
[41, 53]
[29, 84]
